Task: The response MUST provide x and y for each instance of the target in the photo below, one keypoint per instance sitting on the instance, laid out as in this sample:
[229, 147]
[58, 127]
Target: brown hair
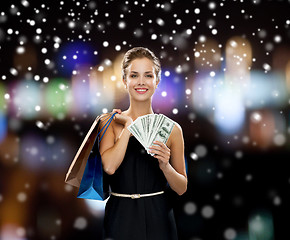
[140, 52]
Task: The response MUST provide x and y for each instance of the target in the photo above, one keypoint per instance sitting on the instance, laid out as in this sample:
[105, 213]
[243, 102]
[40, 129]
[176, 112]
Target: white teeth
[141, 90]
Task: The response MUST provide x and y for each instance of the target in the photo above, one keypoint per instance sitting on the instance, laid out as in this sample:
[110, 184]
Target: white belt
[134, 196]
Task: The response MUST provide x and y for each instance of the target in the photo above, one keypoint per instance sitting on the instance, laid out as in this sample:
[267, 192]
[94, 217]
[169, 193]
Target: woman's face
[141, 79]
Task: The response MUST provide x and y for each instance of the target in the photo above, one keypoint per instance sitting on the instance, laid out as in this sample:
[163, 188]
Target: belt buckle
[134, 196]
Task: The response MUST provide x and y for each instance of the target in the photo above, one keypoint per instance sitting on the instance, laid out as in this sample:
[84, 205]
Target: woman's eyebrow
[138, 72]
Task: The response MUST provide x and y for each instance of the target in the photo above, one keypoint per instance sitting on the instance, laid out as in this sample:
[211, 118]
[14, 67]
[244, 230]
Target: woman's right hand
[121, 118]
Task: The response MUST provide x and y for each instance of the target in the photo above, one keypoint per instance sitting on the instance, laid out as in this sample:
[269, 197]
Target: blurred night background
[225, 80]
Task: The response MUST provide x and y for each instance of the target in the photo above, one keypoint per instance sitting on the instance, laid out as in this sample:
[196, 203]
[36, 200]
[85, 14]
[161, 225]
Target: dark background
[242, 178]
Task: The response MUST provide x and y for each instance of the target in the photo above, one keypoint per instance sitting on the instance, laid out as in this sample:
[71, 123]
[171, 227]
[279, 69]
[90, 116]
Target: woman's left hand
[162, 153]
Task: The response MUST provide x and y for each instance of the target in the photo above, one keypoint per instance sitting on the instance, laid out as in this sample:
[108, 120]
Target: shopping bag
[77, 167]
[93, 185]
[76, 170]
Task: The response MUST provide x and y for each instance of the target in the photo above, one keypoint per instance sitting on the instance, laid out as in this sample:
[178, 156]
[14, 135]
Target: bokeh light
[225, 80]
[58, 97]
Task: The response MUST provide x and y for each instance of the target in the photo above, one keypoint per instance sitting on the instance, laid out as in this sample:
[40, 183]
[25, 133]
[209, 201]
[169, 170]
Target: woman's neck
[137, 109]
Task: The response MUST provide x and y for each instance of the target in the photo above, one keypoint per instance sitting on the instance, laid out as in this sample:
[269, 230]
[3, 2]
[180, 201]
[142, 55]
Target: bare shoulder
[115, 127]
[176, 134]
[177, 130]
[109, 136]
[104, 117]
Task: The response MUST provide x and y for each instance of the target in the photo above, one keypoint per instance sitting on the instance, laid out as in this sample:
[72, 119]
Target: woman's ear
[157, 82]
[124, 81]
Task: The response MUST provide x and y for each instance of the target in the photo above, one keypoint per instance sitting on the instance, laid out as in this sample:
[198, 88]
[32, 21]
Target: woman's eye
[149, 76]
[133, 76]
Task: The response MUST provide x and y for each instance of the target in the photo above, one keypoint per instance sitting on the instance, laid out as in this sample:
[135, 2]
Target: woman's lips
[141, 90]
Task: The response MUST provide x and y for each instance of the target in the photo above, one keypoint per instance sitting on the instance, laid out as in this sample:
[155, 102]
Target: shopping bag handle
[108, 122]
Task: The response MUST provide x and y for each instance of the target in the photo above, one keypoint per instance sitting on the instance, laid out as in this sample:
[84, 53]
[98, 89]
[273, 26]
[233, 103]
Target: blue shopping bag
[93, 184]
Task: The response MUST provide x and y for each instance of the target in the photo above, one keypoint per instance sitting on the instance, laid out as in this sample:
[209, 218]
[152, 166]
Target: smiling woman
[141, 71]
[139, 206]
[141, 77]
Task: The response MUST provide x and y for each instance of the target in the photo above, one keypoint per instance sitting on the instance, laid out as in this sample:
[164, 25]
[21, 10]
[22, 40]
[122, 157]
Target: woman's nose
[141, 80]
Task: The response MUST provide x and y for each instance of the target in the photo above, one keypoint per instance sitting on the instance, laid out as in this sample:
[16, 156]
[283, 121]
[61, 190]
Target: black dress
[145, 218]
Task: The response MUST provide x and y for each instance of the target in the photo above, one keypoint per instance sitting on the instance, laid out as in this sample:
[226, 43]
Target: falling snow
[225, 79]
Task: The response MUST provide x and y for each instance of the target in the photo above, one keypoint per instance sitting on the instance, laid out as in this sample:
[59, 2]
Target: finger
[156, 156]
[161, 148]
[117, 110]
[161, 144]
[160, 155]
[157, 144]
[157, 150]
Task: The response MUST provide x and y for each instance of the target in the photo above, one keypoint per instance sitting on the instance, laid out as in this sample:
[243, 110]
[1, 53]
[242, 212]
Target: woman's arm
[113, 153]
[173, 168]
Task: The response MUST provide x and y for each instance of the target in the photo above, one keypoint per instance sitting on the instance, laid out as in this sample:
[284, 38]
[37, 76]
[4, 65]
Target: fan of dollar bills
[151, 127]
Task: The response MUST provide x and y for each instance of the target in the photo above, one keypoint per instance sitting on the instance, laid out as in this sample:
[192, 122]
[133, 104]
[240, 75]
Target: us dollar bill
[137, 131]
[162, 132]
[151, 127]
